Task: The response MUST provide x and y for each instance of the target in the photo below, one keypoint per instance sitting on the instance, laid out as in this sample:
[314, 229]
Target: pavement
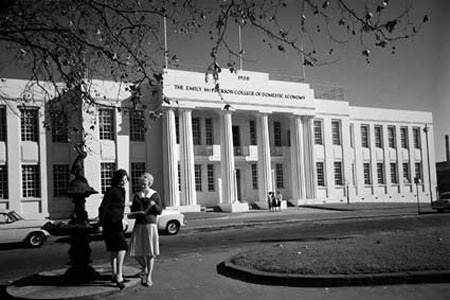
[213, 276]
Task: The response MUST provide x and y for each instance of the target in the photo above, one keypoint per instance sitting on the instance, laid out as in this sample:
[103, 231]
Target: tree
[68, 43]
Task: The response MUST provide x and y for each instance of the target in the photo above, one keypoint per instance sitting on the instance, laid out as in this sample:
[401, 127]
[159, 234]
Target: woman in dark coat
[111, 214]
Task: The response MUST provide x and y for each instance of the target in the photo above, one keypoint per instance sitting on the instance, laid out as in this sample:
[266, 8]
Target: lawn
[393, 251]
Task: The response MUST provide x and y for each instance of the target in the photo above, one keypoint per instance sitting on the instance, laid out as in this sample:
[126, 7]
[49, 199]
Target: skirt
[115, 240]
[144, 240]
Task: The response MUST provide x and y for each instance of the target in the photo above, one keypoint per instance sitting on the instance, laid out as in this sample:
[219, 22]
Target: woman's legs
[141, 261]
[113, 262]
[150, 260]
[119, 262]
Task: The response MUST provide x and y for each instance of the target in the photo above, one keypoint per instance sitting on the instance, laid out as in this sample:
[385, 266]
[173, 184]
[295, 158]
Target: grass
[396, 251]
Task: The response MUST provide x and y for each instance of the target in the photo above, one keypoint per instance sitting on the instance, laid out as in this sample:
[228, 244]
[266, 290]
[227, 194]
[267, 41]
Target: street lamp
[426, 129]
[417, 181]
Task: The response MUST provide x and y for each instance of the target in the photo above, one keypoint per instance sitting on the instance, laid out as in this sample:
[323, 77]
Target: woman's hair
[146, 178]
[117, 177]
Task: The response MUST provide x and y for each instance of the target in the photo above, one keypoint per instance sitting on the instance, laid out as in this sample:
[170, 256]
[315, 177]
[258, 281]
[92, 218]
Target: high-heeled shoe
[120, 284]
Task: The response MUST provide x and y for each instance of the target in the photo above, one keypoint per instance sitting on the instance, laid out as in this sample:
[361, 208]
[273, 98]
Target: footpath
[200, 276]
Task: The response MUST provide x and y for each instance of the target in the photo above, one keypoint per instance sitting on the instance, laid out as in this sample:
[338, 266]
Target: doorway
[238, 184]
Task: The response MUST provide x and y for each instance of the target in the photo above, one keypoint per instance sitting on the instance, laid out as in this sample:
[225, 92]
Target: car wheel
[35, 239]
[173, 227]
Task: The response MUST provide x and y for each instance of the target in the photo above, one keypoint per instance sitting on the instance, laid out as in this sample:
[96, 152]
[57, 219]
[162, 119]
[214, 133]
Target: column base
[185, 208]
[296, 202]
[234, 207]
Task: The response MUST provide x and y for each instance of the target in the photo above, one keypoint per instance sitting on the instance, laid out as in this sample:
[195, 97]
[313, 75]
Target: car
[16, 229]
[443, 203]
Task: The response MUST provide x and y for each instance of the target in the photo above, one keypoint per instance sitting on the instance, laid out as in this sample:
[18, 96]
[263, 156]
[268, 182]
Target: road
[17, 262]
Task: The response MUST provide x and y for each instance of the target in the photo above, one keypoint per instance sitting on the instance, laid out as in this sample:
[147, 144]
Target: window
[29, 124]
[211, 185]
[209, 131]
[2, 124]
[255, 176]
[179, 177]
[106, 124]
[354, 173]
[59, 127]
[279, 176]
[378, 137]
[336, 132]
[416, 137]
[394, 174]
[406, 175]
[137, 126]
[31, 181]
[198, 178]
[365, 136]
[277, 133]
[137, 169]
[391, 136]
[60, 180]
[404, 137]
[318, 140]
[320, 174]
[352, 135]
[106, 173]
[3, 182]
[177, 129]
[253, 138]
[380, 173]
[196, 131]
[366, 170]
[338, 173]
[418, 170]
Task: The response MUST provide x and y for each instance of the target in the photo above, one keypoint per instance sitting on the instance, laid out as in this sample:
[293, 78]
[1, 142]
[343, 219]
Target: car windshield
[15, 216]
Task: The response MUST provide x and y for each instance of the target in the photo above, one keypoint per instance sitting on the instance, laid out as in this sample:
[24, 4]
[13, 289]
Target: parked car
[14, 228]
[169, 222]
[443, 203]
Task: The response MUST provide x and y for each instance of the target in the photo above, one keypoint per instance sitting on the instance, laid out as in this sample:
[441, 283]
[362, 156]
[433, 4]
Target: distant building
[226, 148]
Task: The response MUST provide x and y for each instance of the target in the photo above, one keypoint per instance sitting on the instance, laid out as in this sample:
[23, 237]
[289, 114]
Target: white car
[14, 229]
[169, 221]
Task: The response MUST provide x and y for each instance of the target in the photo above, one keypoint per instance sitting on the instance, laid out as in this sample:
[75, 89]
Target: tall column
[171, 193]
[227, 157]
[264, 166]
[297, 158]
[310, 170]
[188, 194]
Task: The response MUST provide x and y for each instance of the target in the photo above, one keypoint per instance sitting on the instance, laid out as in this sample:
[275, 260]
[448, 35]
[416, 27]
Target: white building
[224, 149]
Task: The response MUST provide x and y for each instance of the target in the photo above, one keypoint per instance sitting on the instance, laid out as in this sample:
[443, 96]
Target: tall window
[198, 178]
[352, 135]
[394, 174]
[59, 127]
[404, 137]
[29, 124]
[391, 136]
[196, 131]
[179, 177]
[366, 170]
[137, 126]
[365, 136]
[255, 176]
[338, 173]
[31, 181]
[406, 175]
[106, 173]
[177, 129]
[380, 173]
[416, 137]
[211, 185]
[3, 182]
[2, 124]
[209, 131]
[336, 132]
[60, 180]
[253, 139]
[137, 169]
[318, 139]
[378, 137]
[320, 174]
[277, 133]
[418, 170]
[106, 124]
[279, 176]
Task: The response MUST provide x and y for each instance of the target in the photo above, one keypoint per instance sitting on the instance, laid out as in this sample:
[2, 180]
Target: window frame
[136, 170]
[320, 174]
[106, 173]
[338, 173]
[137, 126]
[365, 136]
[198, 177]
[4, 190]
[210, 171]
[367, 174]
[106, 124]
[31, 181]
[381, 177]
[392, 142]
[60, 179]
[336, 135]
[29, 124]
[318, 132]
[279, 176]
[378, 131]
[277, 134]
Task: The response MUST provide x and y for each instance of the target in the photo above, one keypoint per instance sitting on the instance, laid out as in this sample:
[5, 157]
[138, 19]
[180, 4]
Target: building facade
[223, 143]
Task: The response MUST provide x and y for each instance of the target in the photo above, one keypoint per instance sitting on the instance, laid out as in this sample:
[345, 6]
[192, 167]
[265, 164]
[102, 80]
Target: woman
[111, 214]
[144, 244]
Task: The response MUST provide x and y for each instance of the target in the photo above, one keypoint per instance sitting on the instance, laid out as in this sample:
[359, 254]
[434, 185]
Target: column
[310, 170]
[347, 157]
[13, 161]
[387, 163]
[227, 157]
[188, 194]
[297, 158]
[359, 171]
[373, 161]
[264, 166]
[171, 193]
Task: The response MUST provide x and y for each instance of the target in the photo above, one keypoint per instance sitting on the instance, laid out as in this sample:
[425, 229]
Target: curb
[227, 268]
